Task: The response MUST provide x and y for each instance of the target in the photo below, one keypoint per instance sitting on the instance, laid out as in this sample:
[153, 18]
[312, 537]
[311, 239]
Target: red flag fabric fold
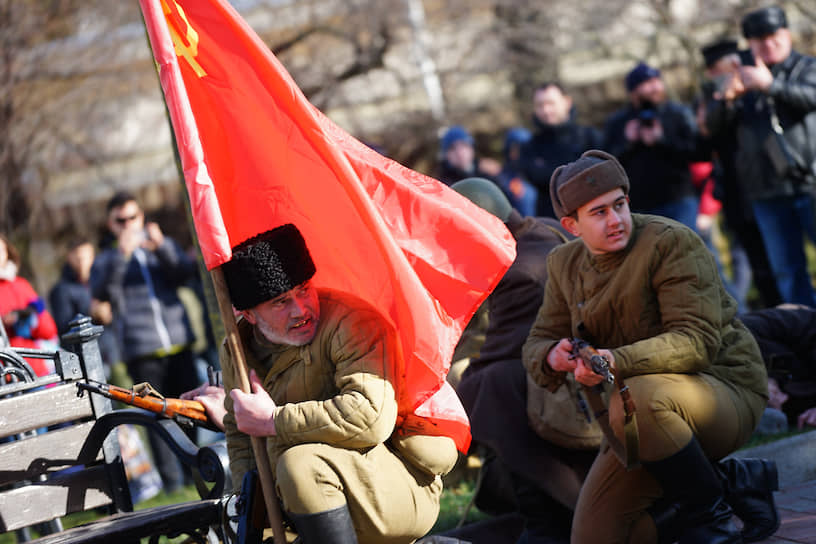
[256, 154]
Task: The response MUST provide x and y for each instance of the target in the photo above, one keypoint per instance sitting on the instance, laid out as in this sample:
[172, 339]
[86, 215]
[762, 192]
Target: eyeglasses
[124, 220]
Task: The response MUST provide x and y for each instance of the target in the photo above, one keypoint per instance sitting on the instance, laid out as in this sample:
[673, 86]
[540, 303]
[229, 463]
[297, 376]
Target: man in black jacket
[557, 139]
[770, 113]
[655, 139]
[722, 61]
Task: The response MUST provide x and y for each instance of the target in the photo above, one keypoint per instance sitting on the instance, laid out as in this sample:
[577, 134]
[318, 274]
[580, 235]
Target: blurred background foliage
[81, 111]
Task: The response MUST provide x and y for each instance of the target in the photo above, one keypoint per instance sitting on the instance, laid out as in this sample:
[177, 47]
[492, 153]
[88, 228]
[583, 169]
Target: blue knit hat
[454, 134]
[515, 135]
[639, 74]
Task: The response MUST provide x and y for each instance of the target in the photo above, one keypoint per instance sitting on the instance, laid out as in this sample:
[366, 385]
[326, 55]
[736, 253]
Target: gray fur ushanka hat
[267, 265]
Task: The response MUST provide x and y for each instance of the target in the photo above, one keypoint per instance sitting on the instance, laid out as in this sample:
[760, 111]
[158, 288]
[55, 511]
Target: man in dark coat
[769, 113]
[655, 139]
[721, 60]
[545, 478]
[557, 139]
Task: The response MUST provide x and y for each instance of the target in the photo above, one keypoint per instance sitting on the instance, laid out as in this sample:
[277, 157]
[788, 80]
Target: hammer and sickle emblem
[186, 45]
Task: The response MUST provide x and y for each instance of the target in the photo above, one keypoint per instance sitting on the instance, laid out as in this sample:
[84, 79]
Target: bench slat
[58, 496]
[53, 405]
[159, 520]
[42, 454]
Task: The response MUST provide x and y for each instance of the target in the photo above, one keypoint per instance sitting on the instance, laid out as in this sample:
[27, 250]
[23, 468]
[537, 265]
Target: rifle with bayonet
[143, 395]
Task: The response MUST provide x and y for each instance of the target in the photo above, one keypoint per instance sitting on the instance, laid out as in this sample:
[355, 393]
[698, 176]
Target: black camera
[746, 57]
[647, 113]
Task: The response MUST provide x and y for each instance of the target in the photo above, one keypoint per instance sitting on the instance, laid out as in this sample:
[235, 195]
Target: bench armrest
[211, 461]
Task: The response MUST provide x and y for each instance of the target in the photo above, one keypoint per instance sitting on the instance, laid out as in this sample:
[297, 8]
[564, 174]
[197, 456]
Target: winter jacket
[150, 317]
[337, 390]
[550, 147]
[658, 174]
[748, 122]
[69, 297]
[658, 305]
[787, 339]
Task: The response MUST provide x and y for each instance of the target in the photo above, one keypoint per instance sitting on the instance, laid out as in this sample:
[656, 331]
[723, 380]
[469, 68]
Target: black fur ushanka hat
[267, 265]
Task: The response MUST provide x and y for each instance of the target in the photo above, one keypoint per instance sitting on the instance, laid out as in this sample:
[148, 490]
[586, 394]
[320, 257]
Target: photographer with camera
[768, 116]
[655, 140]
[722, 64]
[139, 275]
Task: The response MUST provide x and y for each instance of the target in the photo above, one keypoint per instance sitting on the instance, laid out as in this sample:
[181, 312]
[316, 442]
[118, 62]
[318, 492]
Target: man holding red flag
[256, 155]
[325, 402]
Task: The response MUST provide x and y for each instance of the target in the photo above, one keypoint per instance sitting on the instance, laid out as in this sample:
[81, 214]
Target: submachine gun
[627, 452]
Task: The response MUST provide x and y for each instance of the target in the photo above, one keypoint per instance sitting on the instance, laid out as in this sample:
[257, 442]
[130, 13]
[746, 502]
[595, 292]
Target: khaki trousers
[670, 409]
[390, 500]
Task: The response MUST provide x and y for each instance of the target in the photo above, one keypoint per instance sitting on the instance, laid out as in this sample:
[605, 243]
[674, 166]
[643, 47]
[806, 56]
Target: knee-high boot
[328, 527]
[693, 495]
[749, 485]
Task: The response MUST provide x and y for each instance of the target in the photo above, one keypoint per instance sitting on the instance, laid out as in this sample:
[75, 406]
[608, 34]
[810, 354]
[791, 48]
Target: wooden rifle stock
[149, 400]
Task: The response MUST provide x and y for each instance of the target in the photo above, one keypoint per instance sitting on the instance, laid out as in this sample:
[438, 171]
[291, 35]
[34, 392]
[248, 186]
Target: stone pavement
[796, 499]
[797, 508]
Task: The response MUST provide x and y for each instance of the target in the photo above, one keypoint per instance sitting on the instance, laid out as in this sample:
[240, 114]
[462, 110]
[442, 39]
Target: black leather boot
[749, 485]
[692, 499]
[328, 527]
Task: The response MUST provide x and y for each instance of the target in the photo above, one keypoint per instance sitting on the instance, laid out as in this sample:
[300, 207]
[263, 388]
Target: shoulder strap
[626, 452]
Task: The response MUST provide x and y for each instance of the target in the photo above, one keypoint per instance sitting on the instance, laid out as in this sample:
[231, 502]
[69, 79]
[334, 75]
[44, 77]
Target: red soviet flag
[256, 154]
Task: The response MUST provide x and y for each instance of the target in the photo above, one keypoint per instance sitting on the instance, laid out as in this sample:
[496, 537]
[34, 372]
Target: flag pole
[236, 348]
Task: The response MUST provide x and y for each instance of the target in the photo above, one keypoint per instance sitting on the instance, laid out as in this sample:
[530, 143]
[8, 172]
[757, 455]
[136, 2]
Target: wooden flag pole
[236, 348]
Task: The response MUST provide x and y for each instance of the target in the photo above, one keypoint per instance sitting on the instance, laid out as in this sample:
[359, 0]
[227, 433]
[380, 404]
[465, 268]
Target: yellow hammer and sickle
[184, 51]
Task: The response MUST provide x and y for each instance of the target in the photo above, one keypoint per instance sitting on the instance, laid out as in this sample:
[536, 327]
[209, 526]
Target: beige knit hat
[594, 173]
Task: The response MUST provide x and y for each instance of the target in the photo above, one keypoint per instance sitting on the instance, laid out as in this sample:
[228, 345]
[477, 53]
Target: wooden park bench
[59, 454]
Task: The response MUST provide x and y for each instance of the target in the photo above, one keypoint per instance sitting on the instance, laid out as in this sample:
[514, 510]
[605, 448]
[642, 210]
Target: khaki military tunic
[336, 412]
